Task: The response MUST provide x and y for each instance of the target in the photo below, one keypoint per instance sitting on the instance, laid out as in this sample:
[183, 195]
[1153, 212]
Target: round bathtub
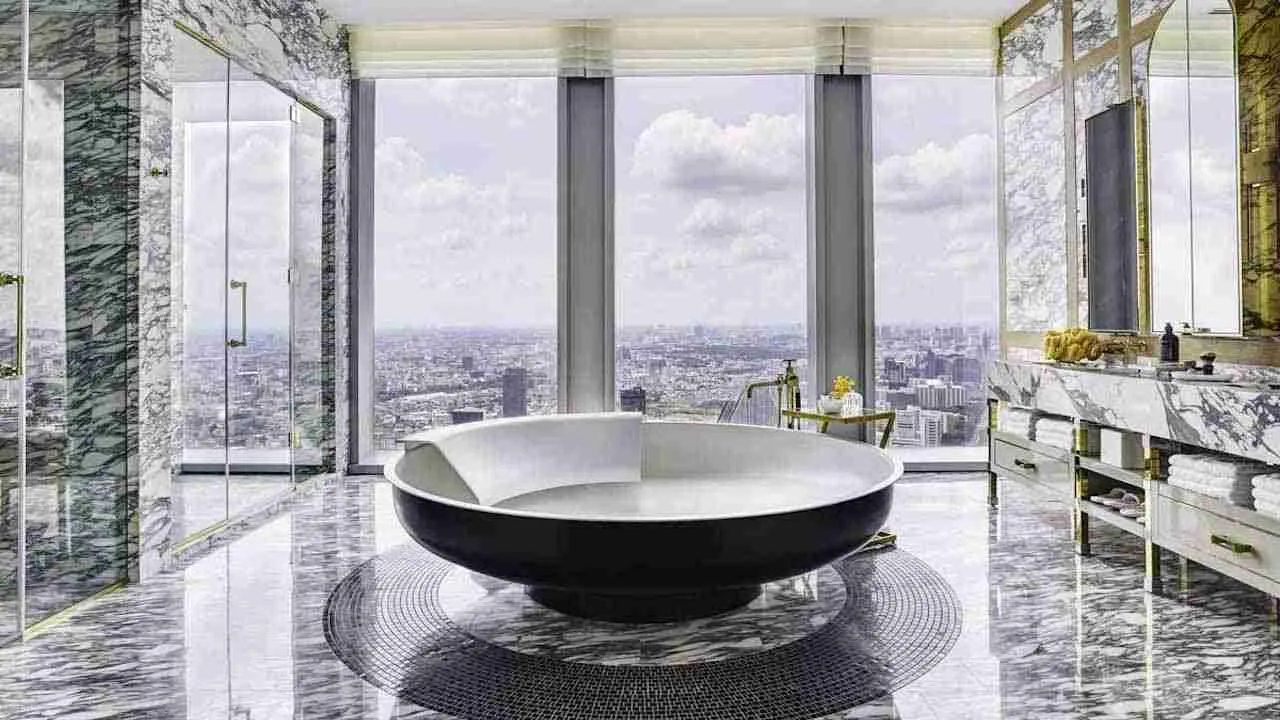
[610, 517]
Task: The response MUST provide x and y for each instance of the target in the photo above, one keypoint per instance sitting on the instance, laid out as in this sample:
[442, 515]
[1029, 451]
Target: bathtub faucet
[788, 384]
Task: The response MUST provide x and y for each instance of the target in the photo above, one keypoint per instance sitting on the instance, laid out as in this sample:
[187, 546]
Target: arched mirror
[1194, 185]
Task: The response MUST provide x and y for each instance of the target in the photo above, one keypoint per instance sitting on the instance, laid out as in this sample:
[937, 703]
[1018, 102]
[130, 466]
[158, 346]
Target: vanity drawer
[1042, 469]
[1180, 525]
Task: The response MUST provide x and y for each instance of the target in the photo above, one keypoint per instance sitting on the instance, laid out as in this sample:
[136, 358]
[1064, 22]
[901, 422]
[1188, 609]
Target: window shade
[681, 46]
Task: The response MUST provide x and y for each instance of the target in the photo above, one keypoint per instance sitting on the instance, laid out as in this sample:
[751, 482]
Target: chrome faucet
[788, 384]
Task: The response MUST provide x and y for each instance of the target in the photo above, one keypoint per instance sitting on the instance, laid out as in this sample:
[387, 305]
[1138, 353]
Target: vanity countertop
[1236, 419]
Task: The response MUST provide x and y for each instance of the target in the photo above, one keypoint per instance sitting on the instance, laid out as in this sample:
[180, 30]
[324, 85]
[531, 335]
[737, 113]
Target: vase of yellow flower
[842, 388]
[834, 402]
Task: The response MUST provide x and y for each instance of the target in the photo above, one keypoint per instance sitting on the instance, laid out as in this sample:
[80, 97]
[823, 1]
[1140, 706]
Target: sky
[710, 201]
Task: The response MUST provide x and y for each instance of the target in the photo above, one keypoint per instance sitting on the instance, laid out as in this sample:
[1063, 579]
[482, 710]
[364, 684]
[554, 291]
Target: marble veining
[1032, 51]
[1035, 209]
[1232, 420]
[1046, 634]
[1093, 23]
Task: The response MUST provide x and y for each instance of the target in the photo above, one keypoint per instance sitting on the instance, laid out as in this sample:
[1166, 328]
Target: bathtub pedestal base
[644, 608]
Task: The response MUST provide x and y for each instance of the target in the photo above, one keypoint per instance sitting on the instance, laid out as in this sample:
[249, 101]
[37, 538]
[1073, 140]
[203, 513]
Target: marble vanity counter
[1229, 419]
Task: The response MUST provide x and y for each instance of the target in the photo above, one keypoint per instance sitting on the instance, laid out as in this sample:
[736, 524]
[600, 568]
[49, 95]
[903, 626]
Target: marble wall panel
[1035, 209]
[1032, 51]
[1093, 23]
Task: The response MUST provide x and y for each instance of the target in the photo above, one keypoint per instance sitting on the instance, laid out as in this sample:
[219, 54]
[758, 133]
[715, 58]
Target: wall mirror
[1194, 170]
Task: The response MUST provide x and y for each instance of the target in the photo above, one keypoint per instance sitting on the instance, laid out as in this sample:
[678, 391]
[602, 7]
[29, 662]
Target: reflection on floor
[201, 501]
[1046, 634]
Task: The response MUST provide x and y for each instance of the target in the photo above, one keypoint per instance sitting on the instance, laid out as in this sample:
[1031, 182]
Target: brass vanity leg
[1081, 519]
[993, 482]
[1184, 574]
[1152, 580]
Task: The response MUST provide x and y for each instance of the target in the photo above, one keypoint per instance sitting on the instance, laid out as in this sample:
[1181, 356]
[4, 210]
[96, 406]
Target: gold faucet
[788, 384]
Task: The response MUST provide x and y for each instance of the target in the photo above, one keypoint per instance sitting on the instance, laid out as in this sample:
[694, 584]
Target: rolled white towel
[1270, 481]
[1267, 496]
[1268, 509]
[1241, 484]
[1211, 465]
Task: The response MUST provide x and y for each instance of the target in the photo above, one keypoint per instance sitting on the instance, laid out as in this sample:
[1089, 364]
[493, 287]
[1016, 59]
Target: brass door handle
[243, 287]
[1238, 548]
[1024, 464]
[15, 368]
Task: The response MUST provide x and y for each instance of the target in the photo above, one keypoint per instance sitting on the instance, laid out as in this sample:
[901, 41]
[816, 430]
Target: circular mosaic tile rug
[473, 647]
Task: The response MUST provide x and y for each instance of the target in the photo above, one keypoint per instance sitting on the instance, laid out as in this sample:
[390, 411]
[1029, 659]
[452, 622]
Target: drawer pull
[1238, 548]
[1024, 464]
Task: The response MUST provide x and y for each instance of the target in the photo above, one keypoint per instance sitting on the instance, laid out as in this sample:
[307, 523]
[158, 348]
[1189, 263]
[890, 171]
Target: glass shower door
[199, 177]
[11, 496]
[259, 201]
[310, 422]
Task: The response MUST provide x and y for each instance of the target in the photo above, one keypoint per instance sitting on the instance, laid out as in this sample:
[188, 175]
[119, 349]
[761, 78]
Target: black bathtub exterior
[717, 557]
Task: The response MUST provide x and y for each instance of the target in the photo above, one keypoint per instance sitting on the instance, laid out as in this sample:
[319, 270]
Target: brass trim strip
[198, 537]
[65, 614]
[1030, 95]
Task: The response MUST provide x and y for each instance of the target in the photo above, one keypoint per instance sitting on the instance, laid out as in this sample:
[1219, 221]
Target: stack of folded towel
[1266, 495]
[1015, 421]
[1055, 432]
[1222, 478]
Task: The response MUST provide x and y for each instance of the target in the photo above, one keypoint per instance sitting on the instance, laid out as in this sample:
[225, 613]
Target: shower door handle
[14, 369]
[243, 287]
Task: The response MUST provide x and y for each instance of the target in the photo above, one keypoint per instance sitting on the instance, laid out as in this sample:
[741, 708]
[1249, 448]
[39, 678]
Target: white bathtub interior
[614, 466]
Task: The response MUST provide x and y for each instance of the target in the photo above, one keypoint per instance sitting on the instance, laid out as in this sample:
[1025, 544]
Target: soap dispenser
[1169, 345]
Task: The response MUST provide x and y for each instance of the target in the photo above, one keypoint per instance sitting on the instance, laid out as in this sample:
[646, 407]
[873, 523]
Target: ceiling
[385, 12]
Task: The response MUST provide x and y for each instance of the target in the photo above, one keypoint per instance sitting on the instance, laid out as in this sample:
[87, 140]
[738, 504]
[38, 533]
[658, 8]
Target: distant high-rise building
[515, 396]
[468, 363]
[633, 400]
[895, 372]
[465, 415]
[937, 395]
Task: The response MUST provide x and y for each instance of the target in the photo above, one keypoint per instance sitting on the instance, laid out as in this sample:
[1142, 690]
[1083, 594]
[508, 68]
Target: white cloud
[456, 250]
[936, 177]
[687, 152]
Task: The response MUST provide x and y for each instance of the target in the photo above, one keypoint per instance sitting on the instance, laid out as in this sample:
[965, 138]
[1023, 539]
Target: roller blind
[683, 46]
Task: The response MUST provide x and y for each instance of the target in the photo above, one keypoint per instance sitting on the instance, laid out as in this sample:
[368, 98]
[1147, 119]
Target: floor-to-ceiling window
[464, 252]
[710, 238]
[937, 301]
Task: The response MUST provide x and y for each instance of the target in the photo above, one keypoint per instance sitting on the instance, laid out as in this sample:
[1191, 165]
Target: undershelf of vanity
[1229, 539]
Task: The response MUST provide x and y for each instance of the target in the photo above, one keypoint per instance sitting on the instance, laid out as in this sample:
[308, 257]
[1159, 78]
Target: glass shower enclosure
[248, 209]
[64, 306]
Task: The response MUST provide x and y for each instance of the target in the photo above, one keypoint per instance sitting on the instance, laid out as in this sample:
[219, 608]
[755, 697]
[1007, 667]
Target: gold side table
[824, 421]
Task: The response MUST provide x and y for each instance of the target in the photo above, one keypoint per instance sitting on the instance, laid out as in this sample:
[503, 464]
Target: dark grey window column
[841, 258]
[363, 149]
[585, 266]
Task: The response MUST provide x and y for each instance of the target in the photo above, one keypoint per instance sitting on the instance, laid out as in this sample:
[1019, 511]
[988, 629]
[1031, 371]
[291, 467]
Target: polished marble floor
[239, 632]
